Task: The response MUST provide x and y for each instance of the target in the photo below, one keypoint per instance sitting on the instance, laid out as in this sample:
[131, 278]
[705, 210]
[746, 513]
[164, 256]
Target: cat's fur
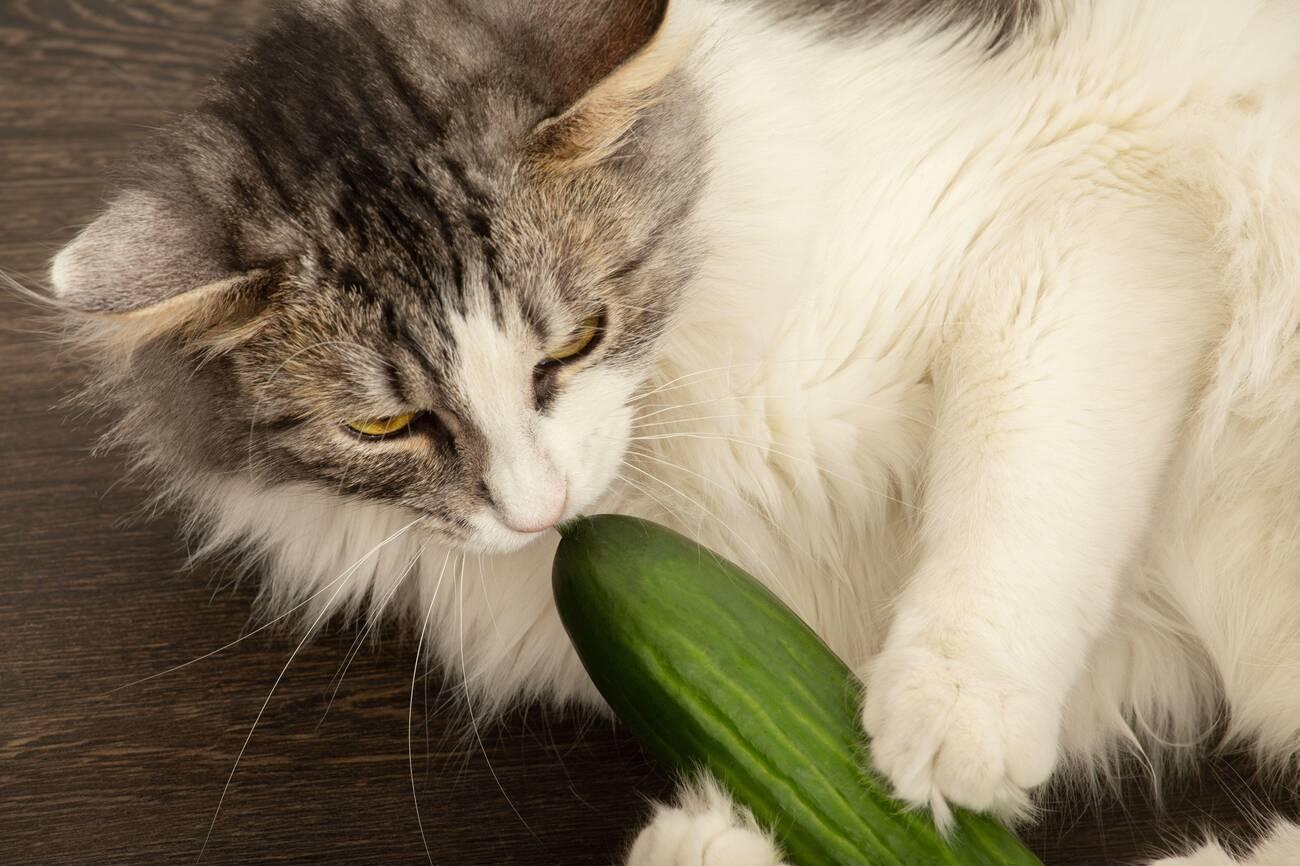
[971, 328]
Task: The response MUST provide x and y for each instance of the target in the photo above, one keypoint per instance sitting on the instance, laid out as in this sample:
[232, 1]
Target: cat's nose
[528, 504]
[535, 522]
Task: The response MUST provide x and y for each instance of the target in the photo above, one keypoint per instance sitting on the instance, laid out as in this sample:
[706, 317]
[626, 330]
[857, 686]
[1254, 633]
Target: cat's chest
[808, 419]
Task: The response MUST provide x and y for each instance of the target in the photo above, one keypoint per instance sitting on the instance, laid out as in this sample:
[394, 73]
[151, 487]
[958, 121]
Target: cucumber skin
[710, 670]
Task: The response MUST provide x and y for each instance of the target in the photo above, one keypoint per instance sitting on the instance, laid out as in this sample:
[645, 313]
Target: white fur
[992, 374]
[544, 468]
[706, 829]
[1281, 848]
[703, 829]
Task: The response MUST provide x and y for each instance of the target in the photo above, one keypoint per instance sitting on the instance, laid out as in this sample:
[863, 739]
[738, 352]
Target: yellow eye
[382, 426]
[585, 336]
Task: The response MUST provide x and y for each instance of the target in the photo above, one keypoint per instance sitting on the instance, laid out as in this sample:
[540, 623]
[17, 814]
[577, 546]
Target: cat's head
[418, 253]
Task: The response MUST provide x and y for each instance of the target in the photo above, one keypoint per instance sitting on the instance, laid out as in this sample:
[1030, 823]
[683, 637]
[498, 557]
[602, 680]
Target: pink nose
[533, 521]
[532, 528]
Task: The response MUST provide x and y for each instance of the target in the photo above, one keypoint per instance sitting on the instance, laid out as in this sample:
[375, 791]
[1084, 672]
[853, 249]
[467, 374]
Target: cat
[971, 328]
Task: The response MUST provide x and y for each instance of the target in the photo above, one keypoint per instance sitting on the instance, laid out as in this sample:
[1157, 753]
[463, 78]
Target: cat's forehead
[379, 146]
[342, 128]
[367, 158]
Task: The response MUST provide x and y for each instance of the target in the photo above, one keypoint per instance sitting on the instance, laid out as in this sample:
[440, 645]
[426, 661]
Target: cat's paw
[947, 729]
[704, 829]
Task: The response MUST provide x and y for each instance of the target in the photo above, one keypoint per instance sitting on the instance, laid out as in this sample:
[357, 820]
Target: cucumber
[711, 671]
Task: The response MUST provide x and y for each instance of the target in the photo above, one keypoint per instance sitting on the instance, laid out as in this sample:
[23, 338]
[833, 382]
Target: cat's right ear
[147, 268]
[596, 123]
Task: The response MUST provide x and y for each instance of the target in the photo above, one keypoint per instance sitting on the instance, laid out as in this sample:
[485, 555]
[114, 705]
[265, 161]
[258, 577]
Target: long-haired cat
[970, 326]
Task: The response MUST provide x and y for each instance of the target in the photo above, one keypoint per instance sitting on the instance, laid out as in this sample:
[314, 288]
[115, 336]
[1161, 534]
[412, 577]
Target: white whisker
[487, 601]
[643, 420]
[346, 574]
[765, 446]
[749, 548]
[643, 491]
[469, 703]
[623, 305]
[795, 545]
[727, 368]
[248, 739]
[376, 611]
[266, 388]
[410, 709]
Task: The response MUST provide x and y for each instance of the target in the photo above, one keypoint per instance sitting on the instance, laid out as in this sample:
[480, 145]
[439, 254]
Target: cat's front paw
[947, 729]
[704, 829]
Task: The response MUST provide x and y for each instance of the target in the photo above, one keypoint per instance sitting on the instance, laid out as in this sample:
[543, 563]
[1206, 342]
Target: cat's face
[492, 398]
[397, 269]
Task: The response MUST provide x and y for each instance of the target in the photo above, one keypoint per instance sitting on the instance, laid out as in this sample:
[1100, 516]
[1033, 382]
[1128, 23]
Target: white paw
[951, 730]
[704, 830]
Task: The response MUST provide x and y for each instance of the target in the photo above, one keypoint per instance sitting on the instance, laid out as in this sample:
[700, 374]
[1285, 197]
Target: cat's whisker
[749, 547]
[33, 332]
[348, 572]
[712, 401]
[15, 287]
[736, 417]
[266, 388]
[795, 545]
[410, 709]
[769, 448]
[487, 600]
[469, 702]
[685, 379]
[424, 695]
[831, 494]
[674, 514]
[621, 304]
[669, 511]
[644, 492]
[349, 461]
[680, 381]
[642, 420]
[374, 615]
[326, 609]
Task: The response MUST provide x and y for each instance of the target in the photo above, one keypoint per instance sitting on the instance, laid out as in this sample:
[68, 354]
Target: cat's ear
[592, 128]
[147, 264]
[585, 40]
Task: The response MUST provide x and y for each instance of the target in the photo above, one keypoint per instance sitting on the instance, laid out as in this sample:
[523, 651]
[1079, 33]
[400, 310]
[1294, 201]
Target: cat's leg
[1056, 412]
[1281, 848]
[704, 829]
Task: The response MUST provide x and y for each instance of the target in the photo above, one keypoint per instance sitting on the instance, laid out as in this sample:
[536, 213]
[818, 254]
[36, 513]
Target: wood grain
[93, 595]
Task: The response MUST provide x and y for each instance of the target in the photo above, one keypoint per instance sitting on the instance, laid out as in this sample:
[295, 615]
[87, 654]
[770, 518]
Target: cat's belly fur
[789, 421]
[820, 404]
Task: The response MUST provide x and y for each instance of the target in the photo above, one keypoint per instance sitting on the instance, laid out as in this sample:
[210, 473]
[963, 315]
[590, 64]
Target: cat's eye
[378, 428]
[581, 341]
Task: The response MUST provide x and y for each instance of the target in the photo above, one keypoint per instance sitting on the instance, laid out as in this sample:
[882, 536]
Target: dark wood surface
[94, 595]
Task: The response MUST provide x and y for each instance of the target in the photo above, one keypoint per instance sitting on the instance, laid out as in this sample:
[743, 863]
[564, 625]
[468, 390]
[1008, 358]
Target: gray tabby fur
[289, 253]
[362, 172]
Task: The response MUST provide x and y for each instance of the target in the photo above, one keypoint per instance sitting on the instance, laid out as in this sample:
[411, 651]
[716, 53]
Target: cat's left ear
[595, 125]
[144, 268]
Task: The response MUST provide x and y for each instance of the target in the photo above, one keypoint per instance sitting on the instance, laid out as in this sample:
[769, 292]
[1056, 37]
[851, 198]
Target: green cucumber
[711, 671]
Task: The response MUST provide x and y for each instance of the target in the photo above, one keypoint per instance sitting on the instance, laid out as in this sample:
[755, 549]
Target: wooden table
[95, 593]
